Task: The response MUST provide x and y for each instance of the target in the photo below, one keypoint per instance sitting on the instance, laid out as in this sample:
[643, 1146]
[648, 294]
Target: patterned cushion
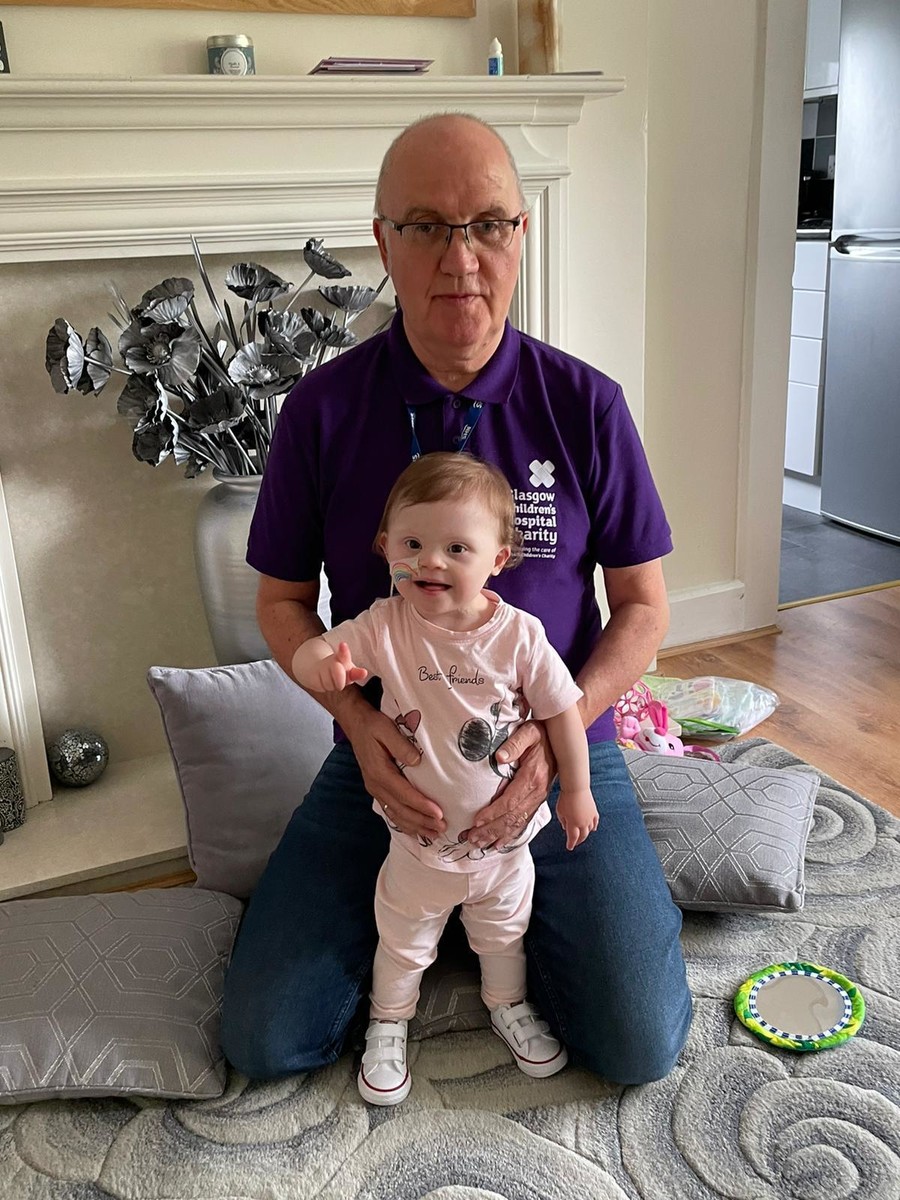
[728, 836]
[113, 994]
[450, 1000]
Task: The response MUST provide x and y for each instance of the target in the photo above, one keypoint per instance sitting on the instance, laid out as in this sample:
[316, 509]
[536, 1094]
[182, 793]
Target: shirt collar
[493, 384]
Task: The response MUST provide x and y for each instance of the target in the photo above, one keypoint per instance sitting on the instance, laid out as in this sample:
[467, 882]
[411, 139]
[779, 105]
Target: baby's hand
[336, 672]
[577, 813]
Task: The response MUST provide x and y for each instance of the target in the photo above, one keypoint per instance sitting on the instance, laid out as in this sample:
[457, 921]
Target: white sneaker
[384, 1076]
[536, 1050]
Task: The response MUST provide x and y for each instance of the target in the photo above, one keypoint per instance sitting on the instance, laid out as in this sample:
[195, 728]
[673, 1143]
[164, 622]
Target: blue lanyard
[475, 409]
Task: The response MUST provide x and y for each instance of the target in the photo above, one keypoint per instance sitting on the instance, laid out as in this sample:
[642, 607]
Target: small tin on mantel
[230, 54]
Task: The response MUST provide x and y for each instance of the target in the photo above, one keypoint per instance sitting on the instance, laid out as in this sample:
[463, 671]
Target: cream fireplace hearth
[99, 169]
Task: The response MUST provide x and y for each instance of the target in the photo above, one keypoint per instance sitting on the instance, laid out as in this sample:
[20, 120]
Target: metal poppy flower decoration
[320, 261]
[210, 397]
[64, 356]
[349, 299]
[250, 281]
[328, 332]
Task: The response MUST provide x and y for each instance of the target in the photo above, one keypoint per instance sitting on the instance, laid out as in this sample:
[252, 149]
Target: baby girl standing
[460, 669]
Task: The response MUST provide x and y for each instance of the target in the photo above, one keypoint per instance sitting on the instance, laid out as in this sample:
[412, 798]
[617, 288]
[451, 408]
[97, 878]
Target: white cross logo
[541, 473]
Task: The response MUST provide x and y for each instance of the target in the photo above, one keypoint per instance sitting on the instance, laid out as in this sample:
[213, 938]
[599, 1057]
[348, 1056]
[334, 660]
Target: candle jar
[230, 54]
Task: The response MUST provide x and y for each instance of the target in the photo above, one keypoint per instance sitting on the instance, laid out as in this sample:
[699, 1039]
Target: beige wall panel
[701, 104]
[607, 191]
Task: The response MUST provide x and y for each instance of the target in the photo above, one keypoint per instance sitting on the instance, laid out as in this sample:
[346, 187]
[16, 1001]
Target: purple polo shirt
[558, 429]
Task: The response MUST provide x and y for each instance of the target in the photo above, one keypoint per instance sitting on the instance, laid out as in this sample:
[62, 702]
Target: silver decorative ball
[77, 757]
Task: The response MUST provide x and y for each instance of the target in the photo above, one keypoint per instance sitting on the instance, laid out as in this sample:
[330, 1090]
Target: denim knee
[640, 1055]
[258, 1049]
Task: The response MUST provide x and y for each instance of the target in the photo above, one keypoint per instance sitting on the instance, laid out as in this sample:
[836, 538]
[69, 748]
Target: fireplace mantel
[105, 168]
[99, 168]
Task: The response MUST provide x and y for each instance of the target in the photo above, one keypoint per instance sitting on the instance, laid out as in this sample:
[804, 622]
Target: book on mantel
[369, 66]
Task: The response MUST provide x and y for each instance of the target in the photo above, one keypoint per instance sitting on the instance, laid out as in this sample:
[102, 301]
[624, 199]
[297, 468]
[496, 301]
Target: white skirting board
[699, 614]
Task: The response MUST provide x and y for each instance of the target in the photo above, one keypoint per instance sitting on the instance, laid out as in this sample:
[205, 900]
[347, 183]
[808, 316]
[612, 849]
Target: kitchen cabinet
[823, 48]
[802, 450]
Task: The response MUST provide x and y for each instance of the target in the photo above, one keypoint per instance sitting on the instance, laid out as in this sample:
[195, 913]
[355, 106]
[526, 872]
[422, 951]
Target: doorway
[821, 559]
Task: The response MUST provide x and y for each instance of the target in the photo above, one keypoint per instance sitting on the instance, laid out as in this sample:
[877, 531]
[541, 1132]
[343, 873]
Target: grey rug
[735, 1119]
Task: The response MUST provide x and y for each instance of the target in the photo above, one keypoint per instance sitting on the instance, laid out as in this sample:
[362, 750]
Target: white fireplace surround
[129, 168]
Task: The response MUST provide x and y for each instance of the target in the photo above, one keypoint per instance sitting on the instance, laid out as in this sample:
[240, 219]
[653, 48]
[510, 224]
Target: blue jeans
[604, 961]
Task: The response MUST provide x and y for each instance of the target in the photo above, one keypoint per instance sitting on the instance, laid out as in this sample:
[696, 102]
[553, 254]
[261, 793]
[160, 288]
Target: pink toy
[643, 724]
[657, 739]
[633, 703]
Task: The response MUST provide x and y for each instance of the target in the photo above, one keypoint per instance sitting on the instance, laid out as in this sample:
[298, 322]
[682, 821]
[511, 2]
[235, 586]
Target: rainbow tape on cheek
[403, 569]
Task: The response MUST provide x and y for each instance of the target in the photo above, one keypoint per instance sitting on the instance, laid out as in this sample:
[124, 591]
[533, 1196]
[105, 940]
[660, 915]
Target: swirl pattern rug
[736, 1118]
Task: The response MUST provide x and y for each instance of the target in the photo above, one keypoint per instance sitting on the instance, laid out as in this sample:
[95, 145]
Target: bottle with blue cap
[495, 58]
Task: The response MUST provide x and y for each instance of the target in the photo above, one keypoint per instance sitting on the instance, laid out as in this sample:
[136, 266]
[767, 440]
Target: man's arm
[639, 618]
[286, 614]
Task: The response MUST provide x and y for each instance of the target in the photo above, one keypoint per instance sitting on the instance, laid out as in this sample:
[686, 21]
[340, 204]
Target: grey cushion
[728, 836]
[114, 994]
[246, 743]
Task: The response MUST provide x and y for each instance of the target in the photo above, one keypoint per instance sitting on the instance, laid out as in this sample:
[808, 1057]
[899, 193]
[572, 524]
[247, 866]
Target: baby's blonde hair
[446, 476]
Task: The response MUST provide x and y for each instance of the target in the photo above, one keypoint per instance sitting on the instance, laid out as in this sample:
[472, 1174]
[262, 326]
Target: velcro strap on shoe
[386, 1043]
[382, 1054]
[524, 1023]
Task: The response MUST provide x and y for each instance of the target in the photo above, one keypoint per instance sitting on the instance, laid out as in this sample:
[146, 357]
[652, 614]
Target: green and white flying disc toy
[800, 1006]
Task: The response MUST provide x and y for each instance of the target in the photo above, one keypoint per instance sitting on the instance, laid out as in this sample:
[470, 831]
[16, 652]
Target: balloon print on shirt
[408, 723]
[480, 739]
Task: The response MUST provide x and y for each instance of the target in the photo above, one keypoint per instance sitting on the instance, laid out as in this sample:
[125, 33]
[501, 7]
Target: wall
[699, 183]
[722, 188]
[662, 194]
[119, 41]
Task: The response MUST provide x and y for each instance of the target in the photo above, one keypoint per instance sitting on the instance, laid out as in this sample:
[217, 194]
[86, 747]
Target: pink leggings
[412, 904]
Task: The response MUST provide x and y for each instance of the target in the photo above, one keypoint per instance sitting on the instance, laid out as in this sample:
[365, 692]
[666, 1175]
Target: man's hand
[505, 818]
[577, 813]
[378, 745]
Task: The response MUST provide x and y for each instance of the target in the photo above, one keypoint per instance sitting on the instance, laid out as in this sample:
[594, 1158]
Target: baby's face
[442, 554]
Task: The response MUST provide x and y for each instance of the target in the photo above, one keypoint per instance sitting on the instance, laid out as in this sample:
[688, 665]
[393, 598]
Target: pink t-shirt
[458, 696]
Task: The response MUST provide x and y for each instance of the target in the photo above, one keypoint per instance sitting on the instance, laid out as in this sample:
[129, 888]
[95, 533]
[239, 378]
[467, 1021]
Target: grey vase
[227, 583]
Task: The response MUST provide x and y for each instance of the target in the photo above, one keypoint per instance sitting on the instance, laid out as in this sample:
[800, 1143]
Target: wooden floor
[835, 666]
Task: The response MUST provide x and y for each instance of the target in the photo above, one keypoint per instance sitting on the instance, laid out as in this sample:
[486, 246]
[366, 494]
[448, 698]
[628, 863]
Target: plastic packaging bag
[707, 701]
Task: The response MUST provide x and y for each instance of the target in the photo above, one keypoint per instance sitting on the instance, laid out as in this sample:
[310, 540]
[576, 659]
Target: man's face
[455, 297]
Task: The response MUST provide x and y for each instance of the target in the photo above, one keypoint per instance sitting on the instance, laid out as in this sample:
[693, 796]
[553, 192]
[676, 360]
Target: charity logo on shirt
[536, 510]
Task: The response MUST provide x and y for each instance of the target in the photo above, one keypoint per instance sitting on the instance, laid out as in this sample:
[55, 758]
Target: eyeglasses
[494, 234]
